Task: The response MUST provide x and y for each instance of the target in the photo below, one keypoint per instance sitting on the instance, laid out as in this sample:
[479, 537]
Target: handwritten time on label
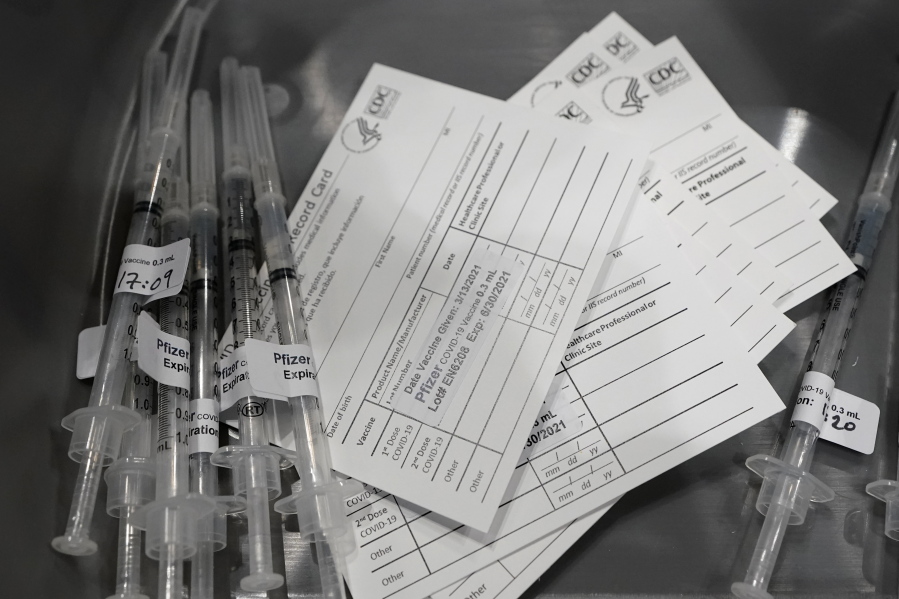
[153, 272]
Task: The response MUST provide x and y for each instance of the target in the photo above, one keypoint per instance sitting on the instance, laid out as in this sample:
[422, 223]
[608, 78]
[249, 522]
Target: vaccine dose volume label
[203, 427]
[281, 371]
[851, 422]
[153, 272]
[814, 395]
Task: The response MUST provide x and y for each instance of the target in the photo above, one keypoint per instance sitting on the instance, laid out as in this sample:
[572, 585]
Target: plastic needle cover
[319, 503]
[788, 486]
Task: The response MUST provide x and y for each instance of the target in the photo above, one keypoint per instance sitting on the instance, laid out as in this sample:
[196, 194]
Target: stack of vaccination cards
[521, 310]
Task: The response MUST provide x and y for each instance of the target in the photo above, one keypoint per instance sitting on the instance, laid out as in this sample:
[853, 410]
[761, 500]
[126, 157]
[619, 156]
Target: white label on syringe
[557, 421]
[281, 371]
[235, 377]
[89, 343]
[154, 272]
[851, 422]
[203, 426]
[814, 395]
[462, 327]
[164, 357]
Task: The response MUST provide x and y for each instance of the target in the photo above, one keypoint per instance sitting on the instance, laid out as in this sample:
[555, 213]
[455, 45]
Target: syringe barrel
[241, 245]
[204, 301]
[836, 324]
[174, 318]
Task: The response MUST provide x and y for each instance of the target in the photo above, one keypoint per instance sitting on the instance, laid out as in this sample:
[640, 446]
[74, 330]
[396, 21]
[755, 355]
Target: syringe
[171, 520]
[887, 490]
[788, 487]
[97, 429]
[204, 425]
[319, 504]
[255, 464]
[131, 479]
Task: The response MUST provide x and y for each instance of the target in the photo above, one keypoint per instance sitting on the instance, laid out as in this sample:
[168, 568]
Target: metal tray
[814, 77]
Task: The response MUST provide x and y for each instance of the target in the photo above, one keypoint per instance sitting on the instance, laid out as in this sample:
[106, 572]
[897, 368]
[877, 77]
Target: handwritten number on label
[134, 279]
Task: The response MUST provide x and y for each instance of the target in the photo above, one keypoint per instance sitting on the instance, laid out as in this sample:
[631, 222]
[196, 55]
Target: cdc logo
[621, 47]
[382, 102]
[575, 113]
[588, 69]
[667, 76]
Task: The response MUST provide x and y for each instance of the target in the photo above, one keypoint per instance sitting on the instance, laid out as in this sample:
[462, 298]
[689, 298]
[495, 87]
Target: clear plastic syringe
[888, 490]
[171, 520]
[788, 487]
[204, 423]
[97, 429]
[255, 464]
[131, 479]
[319, 504]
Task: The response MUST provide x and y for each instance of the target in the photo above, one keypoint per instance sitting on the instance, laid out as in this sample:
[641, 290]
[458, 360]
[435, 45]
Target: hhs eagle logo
[359, 137]
[622, 96]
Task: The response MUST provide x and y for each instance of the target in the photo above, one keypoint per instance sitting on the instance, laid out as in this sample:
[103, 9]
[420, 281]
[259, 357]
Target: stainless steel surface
[811, 76]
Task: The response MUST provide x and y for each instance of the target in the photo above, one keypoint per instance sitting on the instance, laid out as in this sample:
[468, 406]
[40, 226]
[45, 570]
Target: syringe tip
[261, 581]
[747, 591]
[74, 545]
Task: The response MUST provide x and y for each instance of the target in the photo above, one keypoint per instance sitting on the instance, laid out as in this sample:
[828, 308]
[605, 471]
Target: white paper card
[203, 426]
[814, 196]
[510, 576]
[851, 422]
[757, 325]
[557, 421]
[281, 371]
[652, 391]
[90, 341]
[164, 357]
[464, 323]
[708, 229]
[151, 271]
[610, 43]
[718, 159]
[380, 254]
